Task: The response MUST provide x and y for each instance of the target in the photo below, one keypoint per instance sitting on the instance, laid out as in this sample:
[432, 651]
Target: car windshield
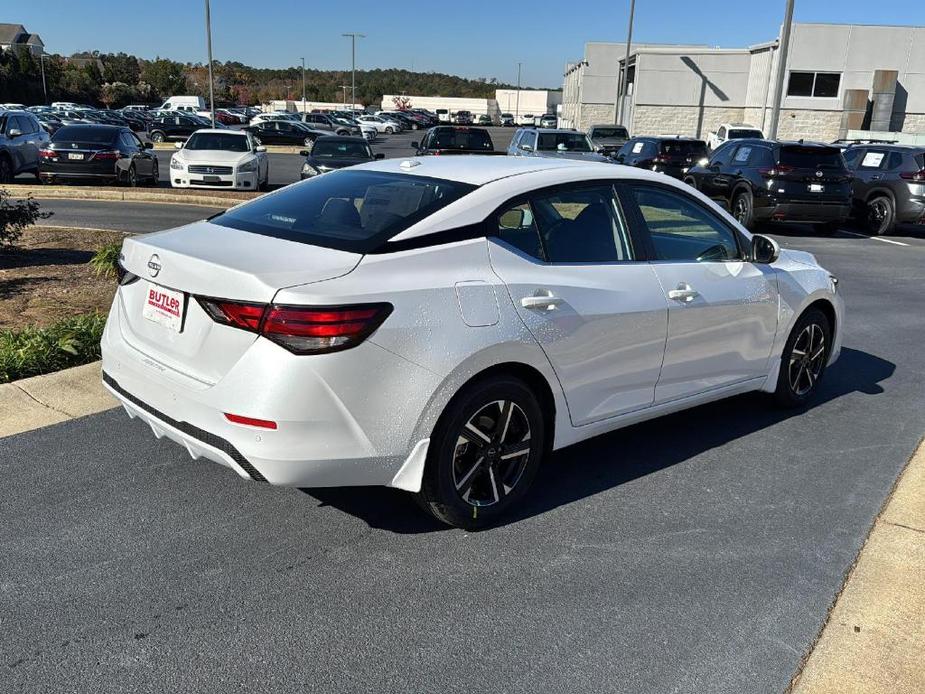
[563, 142]
[683, 148]
[98, 135]
[811, 157]
[606, 133]
[222, 141]
[462, 139]
[741, 133]
[355, 211]
[343, 148]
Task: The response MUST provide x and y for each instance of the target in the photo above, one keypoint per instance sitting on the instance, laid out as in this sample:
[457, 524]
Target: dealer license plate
[816, 187]
[164, 306]
[72, 155]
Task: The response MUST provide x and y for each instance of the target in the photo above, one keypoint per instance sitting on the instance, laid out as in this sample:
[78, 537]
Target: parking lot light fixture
[209, 47]
[517, 107]
[303, 88]
[781, 70]
[353, 36]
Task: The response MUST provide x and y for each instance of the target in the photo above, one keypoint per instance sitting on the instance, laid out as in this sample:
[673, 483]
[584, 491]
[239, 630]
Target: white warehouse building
[533, 101]
[839, 77]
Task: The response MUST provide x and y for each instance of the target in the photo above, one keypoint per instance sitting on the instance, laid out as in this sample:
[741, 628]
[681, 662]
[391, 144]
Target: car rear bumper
[807, 212]
[342, 419]
[911, 211]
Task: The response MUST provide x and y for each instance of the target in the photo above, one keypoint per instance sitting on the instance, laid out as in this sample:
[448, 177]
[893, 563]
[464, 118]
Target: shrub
[105, 262]
[33, 351]
[16, 215]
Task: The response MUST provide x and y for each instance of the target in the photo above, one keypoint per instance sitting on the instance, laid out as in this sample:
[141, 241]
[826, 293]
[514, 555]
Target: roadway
[699, 552]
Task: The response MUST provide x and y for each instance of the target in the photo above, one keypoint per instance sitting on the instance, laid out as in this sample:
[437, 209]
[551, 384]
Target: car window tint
[896, 161]
[682, 230]
[761, 156]
[722, 154]
[853, 156]
[517, 226]
[582, 225]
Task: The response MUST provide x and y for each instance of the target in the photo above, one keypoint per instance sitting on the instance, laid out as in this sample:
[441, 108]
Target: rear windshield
[608, 133]
[343, 148]
[812, 157]
[85, 133]
[355, 211]
[563, 142]
[462, 139]
[683, 148]
[741, 134]
[221, 141]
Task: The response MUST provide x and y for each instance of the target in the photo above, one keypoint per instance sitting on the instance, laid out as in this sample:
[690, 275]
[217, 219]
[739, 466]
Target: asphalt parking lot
[699, 552]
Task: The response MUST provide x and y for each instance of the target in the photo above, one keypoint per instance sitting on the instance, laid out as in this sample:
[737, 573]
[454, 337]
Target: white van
[184, 103]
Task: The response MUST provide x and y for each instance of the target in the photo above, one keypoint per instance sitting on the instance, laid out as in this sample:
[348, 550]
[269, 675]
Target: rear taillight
[916, 176]
[109, 155]
[301, 329]
[778, 170]
[47, 154]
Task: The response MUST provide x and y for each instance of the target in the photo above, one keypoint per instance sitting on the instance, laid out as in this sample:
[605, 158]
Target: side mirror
[765, 250]
[178, 145]
[302, 152]
[260, 148]
[15, 132]
[380, 155]
[415, 145]
[148, 145]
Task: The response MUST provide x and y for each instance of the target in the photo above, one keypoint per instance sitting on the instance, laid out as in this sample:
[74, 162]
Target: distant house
[16, 36]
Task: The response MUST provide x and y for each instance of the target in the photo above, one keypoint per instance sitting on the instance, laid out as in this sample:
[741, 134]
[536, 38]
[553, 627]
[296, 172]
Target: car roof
[889, 146]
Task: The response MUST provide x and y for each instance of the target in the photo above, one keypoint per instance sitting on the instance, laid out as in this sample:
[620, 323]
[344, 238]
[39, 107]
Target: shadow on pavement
[607, 461]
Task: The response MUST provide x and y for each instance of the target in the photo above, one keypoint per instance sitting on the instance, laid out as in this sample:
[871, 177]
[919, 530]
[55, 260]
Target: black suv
[889, 185]
[452, 139]
[771, 181]
[174, 128]
[668, 155]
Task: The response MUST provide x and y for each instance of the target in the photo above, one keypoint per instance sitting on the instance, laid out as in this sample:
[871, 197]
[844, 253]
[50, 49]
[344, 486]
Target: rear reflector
[301, 329]
[250, 421]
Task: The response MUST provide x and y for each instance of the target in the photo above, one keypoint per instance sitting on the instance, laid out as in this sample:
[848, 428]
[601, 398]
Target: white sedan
[380, 124]
[442, 324]
[220, 159]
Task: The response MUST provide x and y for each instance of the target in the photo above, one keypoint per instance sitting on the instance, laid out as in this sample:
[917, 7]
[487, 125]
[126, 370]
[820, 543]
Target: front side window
[564, 142]
[528, 139]
[681, 230]
[355, 211]
[582, 225]
[722, 153]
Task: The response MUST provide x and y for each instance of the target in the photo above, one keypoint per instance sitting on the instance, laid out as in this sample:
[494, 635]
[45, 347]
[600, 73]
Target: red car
[226, 117]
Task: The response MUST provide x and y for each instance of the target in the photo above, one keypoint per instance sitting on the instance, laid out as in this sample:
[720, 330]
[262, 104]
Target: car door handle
[542, 301]
[684, 293]
[876, 178]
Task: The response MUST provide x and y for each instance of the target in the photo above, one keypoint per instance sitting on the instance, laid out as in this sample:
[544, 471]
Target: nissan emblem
[154, 265]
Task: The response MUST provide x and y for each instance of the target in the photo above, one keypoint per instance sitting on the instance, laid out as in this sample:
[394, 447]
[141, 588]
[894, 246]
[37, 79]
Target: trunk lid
[208, 260]
[812, 172]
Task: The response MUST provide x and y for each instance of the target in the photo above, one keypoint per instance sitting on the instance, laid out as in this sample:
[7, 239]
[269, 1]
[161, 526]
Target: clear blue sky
[469, 38]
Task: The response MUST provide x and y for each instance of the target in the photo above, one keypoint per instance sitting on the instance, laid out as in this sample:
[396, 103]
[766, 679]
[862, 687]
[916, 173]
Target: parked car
[889, 185]
[526, 120]
[322, 121]
[285, 132]
[380, 124]
[177, 127]
[463, 118]
[109, 153]
[333, 152]
[672, 156]
[485, 119]
[21, 138]
[49, 122]
[183, 103]
[560, 144]
[406, 120]
[507, 120]
[608, 139]
[220, 159]
[455, 139]
[447, 325]
[548, 120]
[443, 115]
[732, 131]
[275, 115]
[770, 181]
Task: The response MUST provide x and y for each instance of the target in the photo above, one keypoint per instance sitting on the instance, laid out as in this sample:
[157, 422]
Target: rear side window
[742, 133]
[355, 211]
[582, 225]
[811, 157]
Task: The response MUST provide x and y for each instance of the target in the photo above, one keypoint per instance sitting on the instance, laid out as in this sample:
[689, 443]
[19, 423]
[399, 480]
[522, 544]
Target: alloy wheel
[877, 213]
[491, 453]
[741, 210]
[807, 359]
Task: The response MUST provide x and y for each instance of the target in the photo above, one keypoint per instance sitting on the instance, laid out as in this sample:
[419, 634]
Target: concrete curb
[123, 194]
[272, 149]
[36, 402]
[872, 640]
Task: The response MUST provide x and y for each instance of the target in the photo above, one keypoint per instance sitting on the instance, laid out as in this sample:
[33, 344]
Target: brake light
[778, 170]
[916, 176]
[47, 154]
[301, 329]
[108, 155]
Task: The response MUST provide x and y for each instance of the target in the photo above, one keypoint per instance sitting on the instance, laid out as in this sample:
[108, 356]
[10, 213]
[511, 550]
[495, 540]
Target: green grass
[34, 351]
[106, 259]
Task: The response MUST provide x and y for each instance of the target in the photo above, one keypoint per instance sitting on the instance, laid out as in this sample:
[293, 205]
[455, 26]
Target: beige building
[875, 74]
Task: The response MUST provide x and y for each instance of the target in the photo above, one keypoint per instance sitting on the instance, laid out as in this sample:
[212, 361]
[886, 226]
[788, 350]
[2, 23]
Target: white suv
[441, 324]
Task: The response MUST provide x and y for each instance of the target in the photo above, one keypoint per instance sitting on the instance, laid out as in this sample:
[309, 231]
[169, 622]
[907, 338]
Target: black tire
[743, 209]
[6, 170]
[880, 215]
[691, 182]
[158, 136]
[801, 371]
[389, 130]
[131, 177]
[460, 484]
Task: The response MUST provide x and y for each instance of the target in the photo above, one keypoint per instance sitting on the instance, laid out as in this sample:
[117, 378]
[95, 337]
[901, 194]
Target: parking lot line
[895, 243]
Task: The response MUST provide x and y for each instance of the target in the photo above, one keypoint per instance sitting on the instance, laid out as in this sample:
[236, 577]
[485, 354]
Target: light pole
[209, 45]
[353, 52]
[42, 61]
[624, 80]
[345, 87]
[517, 108]
[303, 88]
[781, 69]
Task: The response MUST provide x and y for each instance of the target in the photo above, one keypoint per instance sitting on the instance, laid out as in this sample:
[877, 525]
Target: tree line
[117, 79]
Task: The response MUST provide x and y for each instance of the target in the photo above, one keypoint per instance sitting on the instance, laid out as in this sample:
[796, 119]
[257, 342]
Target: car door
[144, 158]
[16, 142]
[576, 277]
[723, 309]
[869, 171]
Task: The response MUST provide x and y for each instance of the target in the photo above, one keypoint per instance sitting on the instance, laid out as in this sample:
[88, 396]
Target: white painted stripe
[853, 233]
[895, 243]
